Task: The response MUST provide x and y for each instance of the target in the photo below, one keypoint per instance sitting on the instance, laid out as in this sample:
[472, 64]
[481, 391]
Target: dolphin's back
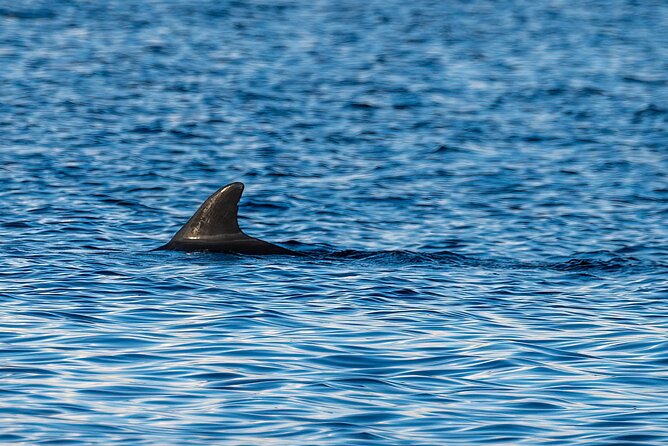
[214, 227]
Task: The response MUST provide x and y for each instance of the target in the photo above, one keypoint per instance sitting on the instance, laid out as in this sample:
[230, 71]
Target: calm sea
[481, 187]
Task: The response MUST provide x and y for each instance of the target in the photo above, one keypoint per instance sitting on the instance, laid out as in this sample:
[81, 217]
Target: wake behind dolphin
[215, 228]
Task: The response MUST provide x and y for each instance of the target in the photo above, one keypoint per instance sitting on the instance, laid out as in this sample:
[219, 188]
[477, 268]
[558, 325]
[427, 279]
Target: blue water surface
[481, 187]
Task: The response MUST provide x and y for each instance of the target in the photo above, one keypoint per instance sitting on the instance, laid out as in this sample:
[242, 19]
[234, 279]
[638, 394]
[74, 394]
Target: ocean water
[481, 188]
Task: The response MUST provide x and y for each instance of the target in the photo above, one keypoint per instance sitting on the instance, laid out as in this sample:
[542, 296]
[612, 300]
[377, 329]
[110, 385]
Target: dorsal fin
[216, 217]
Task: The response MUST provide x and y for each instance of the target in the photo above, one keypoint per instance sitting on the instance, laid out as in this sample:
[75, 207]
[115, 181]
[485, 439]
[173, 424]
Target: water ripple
[479, 189]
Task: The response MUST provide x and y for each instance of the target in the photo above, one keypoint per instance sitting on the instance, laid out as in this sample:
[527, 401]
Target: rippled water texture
[481, 188]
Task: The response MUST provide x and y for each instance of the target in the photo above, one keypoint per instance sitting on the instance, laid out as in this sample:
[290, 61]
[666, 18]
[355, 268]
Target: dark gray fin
[215, 218]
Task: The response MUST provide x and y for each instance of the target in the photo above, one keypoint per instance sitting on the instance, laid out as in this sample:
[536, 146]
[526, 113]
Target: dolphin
[214, 228]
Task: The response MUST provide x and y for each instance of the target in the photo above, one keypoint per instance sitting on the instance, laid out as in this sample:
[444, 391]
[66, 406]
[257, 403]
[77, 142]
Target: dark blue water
[482, 188]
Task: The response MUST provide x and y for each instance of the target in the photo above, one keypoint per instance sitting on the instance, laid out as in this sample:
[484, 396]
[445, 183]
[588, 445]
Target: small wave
[580, 262]
[603, 261]
[598, 261]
